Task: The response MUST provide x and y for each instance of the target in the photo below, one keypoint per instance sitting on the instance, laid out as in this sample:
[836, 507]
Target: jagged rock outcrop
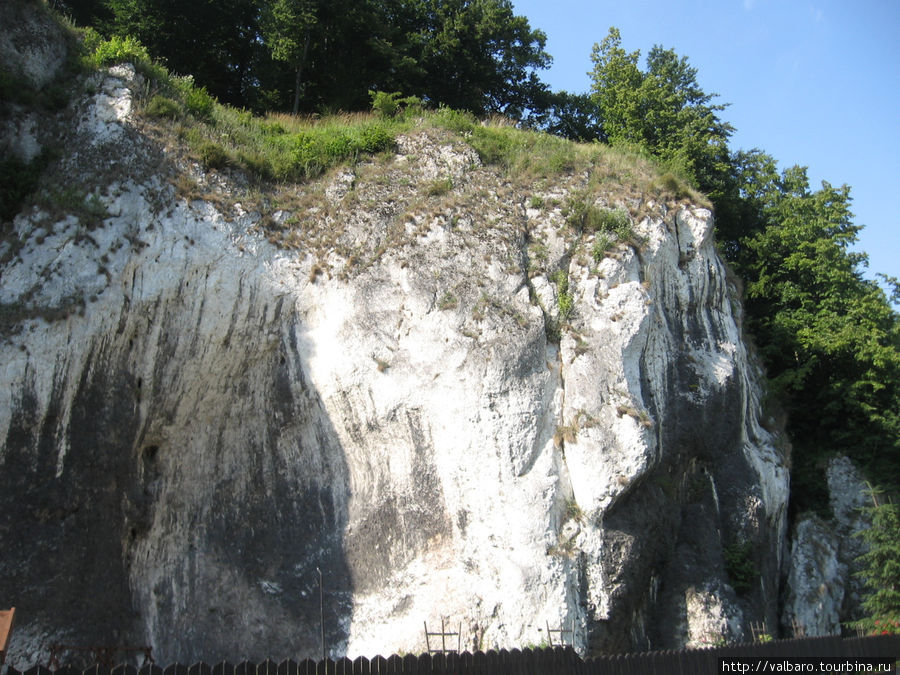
[32, 44]
[816, 579]
[32, 47]
[824, 590]
[207, 401]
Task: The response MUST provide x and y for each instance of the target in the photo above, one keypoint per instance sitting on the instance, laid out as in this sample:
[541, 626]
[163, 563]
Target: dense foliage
[312, 55]
[828, 336]
[662, 110]
[881, 571]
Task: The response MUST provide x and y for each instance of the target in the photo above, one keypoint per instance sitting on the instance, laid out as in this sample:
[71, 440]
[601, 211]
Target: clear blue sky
[815, 83]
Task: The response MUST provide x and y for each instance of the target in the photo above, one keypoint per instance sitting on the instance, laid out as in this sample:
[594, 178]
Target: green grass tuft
[213, 155]
[117, 50]
[199, 102]
[602, 245]
[438, 187]
[162, 106]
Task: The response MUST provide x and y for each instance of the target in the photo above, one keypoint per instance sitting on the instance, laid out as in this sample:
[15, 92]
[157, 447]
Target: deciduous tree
[287, 27]
[481, 57]
[828, 336]
[881, 569]
[662, 110]
[215, 41]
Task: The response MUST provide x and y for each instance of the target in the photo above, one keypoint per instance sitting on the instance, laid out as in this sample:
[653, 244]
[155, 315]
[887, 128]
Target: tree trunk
[298, 74]
[298, 80]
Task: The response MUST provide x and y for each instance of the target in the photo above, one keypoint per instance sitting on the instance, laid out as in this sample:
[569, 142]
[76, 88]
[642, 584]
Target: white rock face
[194, 420]
[31, 45]
[709, 619]
[848, 497]
[824, 590]
[816, 581]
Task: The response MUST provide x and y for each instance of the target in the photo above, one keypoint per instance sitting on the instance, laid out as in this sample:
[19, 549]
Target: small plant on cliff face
[602, 245]
[613, 220]
[739, 566]
[198, 101]
[573, 511]
[89, 208]
[538, 251]
[580, 215]
[162, 106]
[119, 50]
[676, 186]
[583, 216]
[212, 155]
[565, 433]
[642, 416]
[449, 301]
[552, 329]
[439, 187]
[565, 301]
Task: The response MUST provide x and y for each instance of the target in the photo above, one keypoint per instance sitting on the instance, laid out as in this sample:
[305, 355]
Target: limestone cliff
[824, 589]
[205, 401]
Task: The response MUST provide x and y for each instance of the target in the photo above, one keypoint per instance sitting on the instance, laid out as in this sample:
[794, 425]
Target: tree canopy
[287, 27]
[308, 55]
[828, 336]
[661, 109]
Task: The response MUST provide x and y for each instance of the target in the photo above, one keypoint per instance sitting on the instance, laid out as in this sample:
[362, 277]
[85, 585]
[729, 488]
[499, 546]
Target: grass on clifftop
[287, 149]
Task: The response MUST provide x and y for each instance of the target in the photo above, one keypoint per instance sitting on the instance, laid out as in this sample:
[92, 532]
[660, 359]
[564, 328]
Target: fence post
[444, 635]
[7, 619]
[758, 630]
[562, 631]
[322, 612]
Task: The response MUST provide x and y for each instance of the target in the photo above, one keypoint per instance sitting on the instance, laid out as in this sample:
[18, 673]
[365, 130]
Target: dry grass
[287, 161]
[298, 123]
